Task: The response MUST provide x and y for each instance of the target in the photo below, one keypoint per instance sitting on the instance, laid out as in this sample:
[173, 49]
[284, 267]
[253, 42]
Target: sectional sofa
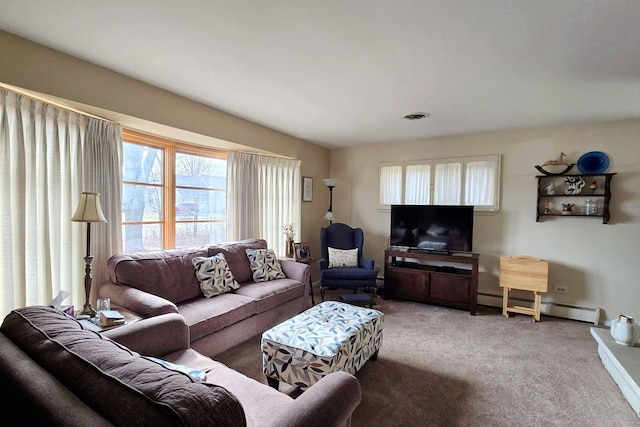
[161, 282]
[53, 372]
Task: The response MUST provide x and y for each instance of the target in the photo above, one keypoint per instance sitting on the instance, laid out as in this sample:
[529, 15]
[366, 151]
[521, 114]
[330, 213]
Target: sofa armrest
[296, 270]
[323, 264]
[155, 336]
[329, 402]
[26, 384]
[132, 299]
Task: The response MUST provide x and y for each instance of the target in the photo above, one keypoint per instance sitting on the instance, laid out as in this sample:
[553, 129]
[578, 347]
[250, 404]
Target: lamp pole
[330, 183]
[88, 277]
[330, 204]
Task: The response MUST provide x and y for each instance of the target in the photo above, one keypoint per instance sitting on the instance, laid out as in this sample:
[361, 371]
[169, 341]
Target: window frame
[170, 149]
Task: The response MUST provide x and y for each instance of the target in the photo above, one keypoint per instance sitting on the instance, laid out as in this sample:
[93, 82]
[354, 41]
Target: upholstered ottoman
[332, 336]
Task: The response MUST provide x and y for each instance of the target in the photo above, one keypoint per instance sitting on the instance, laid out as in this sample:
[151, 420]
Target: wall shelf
[550, 205]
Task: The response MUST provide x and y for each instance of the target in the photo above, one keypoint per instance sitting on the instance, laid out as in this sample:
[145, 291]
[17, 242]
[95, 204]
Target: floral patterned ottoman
[332, 336]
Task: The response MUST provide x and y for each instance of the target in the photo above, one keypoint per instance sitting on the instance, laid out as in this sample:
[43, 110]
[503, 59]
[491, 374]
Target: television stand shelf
[419, 276]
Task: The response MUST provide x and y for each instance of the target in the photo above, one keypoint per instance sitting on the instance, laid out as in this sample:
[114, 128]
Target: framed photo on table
[301, 251]
[307, 189]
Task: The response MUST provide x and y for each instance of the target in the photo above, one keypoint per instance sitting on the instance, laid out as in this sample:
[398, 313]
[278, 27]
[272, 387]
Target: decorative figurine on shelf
[548, 208]
[591, 207]
[593, 186]
[567, 209]
[574, 185]
[556, 162]
[287, 230]
[551, 188]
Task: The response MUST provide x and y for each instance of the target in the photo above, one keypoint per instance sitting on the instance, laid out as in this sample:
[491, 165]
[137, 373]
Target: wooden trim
[182, 147]
[169, 149]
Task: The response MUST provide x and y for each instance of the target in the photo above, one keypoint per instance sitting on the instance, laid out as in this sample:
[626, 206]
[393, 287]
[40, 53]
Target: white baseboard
[566, 311]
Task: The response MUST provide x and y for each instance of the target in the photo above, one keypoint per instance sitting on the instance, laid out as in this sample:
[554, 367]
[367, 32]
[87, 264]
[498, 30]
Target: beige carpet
[443, 367]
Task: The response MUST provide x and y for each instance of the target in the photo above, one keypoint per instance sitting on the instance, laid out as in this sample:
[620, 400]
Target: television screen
[440, 228]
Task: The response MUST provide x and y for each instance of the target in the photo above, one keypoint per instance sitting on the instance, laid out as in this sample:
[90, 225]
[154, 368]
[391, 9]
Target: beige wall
[93, 89]
[595, 261]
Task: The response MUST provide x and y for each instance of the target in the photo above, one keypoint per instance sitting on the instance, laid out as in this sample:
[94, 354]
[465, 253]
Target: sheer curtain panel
[418, 185]
[44, 168]
[447, 189]
[263, 195]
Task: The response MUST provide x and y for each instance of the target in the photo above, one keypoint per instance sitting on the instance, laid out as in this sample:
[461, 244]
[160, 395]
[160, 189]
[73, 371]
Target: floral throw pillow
[264, 265]
[343, 257]
[214, 275]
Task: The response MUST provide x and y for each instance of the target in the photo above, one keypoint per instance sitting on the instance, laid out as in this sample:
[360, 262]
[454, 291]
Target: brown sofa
[160, 282]
[53, 372]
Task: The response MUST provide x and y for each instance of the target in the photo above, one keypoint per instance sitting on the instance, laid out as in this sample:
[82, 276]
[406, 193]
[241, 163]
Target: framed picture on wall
[301, 251]
[307, 189]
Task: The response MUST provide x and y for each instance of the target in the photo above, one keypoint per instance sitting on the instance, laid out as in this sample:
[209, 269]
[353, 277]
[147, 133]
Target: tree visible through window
[174, 195]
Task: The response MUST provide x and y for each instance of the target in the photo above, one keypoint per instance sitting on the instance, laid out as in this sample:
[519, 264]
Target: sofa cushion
[214, 275]
[264, 265]
[167, 274]
[269, 295]
[206, 316]
[236, 256]
[106, 375]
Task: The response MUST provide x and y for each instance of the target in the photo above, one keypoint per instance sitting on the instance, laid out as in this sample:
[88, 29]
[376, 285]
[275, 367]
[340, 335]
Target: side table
[129, 317]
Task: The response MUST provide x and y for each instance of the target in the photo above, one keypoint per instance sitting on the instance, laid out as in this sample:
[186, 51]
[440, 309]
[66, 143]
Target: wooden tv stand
[435, 278]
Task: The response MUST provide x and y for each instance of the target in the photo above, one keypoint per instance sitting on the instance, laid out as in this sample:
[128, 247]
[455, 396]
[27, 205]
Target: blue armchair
[343, 237]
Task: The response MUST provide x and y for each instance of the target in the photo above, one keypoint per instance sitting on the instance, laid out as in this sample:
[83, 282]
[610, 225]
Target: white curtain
[480, 183]
[102, 173]
[42, 153]
[263, 195]
[390, 185]
[447, 184]
[418, 185]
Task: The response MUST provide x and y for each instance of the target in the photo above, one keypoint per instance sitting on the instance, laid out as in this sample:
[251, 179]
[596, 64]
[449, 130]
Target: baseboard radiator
[566, 311]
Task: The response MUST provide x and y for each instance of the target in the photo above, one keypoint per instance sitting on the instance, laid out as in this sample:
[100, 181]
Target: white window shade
[418, 184]
[452, 181]
[481, 182]
[390, 185]
[447, 188]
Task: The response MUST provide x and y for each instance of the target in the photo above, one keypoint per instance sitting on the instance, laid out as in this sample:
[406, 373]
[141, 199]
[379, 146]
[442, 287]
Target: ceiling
[344, 73]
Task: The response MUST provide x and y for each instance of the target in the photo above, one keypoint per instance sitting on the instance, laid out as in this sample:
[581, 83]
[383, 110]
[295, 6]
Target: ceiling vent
[416, 116]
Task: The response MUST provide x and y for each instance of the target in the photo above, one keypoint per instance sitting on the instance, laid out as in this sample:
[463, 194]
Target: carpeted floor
[443, 367]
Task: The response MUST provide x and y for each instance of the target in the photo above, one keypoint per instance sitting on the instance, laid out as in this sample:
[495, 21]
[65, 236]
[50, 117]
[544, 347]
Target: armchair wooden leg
[321, 294]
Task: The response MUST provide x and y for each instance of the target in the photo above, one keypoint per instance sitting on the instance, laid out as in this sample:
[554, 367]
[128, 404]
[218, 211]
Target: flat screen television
[439, 228]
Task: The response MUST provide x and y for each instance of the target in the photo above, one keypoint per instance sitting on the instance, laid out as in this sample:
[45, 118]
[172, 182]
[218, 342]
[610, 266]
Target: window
[173, 194]
[390, 174]
[453, 181]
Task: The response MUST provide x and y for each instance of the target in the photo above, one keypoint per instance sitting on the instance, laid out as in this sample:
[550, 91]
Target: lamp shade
[89, 209]
[330, 182]
[329, 216]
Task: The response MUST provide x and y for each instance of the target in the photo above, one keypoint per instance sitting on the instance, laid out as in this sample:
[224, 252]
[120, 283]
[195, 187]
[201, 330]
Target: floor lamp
[330, 182]
[89, 210]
